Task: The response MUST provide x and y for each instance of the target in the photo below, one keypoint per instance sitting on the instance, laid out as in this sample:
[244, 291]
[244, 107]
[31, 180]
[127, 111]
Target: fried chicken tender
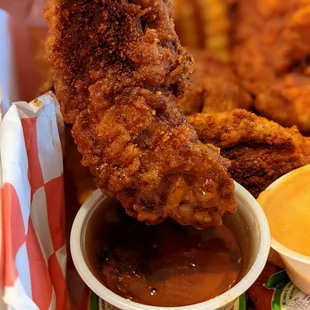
[260, 151]
[214, 87]
[118, 70]
[271, 56]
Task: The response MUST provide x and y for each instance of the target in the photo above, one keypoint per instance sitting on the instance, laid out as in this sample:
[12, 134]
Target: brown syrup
[164, 265]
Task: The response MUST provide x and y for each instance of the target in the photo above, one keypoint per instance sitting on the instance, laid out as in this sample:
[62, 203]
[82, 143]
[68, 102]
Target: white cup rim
[276, 245]
[217, 302]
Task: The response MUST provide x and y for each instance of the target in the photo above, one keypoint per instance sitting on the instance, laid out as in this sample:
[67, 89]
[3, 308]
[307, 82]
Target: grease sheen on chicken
[119, 69]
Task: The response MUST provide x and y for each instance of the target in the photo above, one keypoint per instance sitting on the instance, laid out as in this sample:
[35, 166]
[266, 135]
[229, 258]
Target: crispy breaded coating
[119, 68]
[260, 151]
[214, 87]
[271, 52]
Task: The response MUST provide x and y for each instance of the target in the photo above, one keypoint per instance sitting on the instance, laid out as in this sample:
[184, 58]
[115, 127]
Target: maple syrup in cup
[165, 265]
[131, 265]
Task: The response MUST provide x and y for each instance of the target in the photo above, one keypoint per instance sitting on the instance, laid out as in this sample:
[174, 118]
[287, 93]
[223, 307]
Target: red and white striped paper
[32, 212]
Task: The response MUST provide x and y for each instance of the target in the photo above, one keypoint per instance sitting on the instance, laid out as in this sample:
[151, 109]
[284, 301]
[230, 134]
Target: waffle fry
[186, 24]
[205, 24]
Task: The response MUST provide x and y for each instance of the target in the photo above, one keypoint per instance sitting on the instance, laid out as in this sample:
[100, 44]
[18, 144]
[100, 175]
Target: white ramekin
[297, 265]
[249, 212]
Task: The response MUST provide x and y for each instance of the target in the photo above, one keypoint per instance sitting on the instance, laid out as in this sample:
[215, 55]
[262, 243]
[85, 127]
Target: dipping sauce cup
[249, 225]
[297, 265]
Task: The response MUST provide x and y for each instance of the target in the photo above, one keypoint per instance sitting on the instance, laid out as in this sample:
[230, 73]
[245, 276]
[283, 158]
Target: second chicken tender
[260, 151]
[214, 87]
[271, 52]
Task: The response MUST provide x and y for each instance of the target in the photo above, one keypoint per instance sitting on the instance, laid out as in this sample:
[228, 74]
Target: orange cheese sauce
[287, 207]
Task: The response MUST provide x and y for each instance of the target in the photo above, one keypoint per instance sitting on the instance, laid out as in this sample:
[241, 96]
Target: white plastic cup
[249, 223]
[297, 265]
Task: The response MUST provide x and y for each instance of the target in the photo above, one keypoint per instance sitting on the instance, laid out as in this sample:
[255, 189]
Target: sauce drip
[167, 265]
[287, 207]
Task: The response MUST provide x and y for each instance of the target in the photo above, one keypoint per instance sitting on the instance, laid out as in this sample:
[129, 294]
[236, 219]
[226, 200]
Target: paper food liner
[32, 214]
[34, 272]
